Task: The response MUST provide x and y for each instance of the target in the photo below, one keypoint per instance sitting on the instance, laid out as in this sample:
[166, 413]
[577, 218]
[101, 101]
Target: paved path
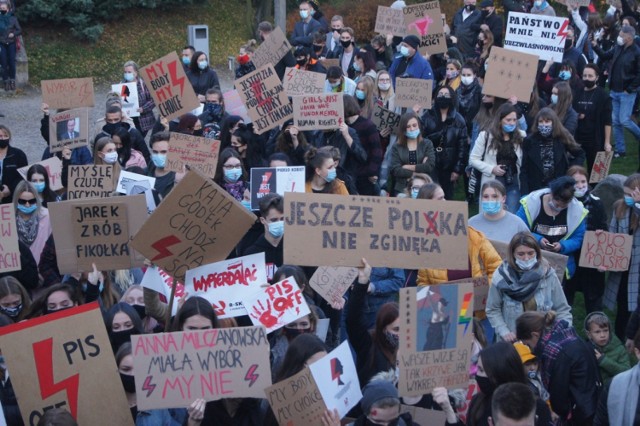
[22, 115]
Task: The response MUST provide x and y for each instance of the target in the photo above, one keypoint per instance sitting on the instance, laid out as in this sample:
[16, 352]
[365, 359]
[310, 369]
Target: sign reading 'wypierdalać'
[391, 232]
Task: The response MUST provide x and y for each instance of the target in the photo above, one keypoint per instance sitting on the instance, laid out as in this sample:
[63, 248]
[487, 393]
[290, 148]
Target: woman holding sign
[412, 153]
[146, 120]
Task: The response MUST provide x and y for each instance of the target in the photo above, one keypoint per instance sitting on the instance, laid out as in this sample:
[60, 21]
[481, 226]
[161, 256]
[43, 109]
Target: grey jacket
[400, 157]
[502, 310]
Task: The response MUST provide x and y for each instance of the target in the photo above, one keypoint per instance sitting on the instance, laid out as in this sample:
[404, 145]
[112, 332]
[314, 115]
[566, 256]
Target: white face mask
[466, 80]
[620, 41]
[580, 192]
[111, 157]
[526, 265]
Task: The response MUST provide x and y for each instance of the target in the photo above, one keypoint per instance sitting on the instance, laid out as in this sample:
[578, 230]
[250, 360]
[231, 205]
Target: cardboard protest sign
[607, 250]
[510, 73]
[169, 86]
[225, 284]
[556, 260]
[390, 21]
[601, 166]
[300, 82]
[436, 335]
[575, 3]
[193, 151]
[425, 21]
[332, 282]
[424, 416]
[385, 119]
[68, 129]
[129, 97]
[233, 105]
[174, 369]
[413, 91]
[54, 170]
[159, 281]
[127, 179]
[337, 379]
[90, 181]
[318, 112]
[64, 359]
[263, 94]
[197, 223]
[68, 92]
[275, 180]
[9, 248]
[330, 62]
[97, 231]
[463, 410]
[272, 49]
[480, 291]
[395, 233]
[538, 35]
[296, 400]
[277, 305]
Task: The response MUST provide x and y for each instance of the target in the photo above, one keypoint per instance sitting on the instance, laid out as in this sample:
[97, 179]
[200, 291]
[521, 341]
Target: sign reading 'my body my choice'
[396, 233]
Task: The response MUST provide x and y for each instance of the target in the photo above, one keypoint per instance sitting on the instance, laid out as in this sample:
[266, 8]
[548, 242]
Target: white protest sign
[539, 35]
[277, 305]
[127, 177]
[129, 97]
[159, 281]
[337, 379]
[226, 284]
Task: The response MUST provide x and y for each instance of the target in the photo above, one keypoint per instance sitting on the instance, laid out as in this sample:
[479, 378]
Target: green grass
[143, 35]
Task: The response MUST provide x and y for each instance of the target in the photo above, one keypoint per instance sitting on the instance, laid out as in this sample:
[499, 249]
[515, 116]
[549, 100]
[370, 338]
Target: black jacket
[450, 139]
[465, 31]
[337, 54]
[469, 102]
[201, 81]
[629, 59]
[15, 159]
[597, 218]
[351, 157]
[531, 171]
[137, 140]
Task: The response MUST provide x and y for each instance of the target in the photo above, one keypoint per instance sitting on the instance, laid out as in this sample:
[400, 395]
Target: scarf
[235, 189]
[550, 345]
[623, 397]
[28, 228]
[520, 286]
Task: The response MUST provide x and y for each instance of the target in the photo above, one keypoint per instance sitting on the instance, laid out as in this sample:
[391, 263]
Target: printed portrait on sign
[437, 307]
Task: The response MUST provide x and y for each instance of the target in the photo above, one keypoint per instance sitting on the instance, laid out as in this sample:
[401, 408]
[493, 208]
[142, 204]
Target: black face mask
[3, 12]
[47, 311]
[119, 337]
[198, 132]
[4, 143]
[346, 43]
[589, 84]
[485, 385]
[140, 310]
[317, 48]
[470, 7]
[485, 13]
[301, 62]
[292, 333]
[443, 103]
[488, 105]
[568, 44]
[128, 382]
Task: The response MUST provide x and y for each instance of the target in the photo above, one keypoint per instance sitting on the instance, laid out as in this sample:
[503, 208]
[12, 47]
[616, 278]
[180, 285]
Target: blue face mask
[508, 128]
[564, 75]
[186, 60]
[232, 175]
[491, 208]
[304, 14]
[159, 160]
[356, 66]
[246, 204]
[412, 134]
[554, 99]
[360, 94]
[414, 193]
[39, 186]
[213, 109]
[629, 201]
[203, 65]
[276, 229]
[128, 76]
[404, 51]
[526, 265]
[27, 210]
[331, 175]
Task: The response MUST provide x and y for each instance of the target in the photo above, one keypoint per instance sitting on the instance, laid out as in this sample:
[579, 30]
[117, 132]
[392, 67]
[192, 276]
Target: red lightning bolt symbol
[562, 31]
[43, 356]
[290, 74]
[173, 72]
[251, 376]
[162, 246]
[148, 386]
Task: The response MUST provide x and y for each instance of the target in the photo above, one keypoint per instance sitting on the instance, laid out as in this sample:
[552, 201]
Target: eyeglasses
[231, 167]
[23, 202]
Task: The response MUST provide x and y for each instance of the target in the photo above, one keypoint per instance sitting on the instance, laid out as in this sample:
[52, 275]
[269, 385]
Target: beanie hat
[376, 391]
[524, 351]
[486, 3]
[412, 40]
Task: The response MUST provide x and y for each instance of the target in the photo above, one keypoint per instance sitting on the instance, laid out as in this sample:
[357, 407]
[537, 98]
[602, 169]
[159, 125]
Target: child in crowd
[610, 353]
[532, 370]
